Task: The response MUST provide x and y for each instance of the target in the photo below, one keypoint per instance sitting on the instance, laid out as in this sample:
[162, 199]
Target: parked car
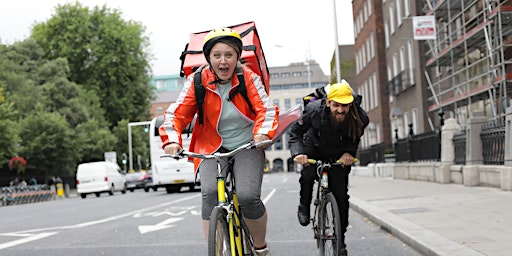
[137, 180]
[99, 177]
[149, 183]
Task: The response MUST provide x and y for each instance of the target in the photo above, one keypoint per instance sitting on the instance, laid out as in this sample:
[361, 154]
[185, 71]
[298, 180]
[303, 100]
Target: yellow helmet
[221, 34]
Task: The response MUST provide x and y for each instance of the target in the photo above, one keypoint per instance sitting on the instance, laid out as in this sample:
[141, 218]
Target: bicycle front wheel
[329, 227]
[218, 234]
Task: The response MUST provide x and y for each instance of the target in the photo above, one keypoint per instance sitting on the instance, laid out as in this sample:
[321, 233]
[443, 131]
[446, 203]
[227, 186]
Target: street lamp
[307, 61]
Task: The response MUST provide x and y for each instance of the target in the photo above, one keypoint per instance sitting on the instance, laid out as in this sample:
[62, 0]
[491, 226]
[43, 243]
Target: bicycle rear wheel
[329, 227]
[218, 234]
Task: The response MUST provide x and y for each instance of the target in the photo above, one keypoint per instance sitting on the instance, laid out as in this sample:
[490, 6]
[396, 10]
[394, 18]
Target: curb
[421, 239]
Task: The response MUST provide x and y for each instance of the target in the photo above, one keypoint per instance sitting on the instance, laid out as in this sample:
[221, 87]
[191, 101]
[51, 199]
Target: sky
[301, 28]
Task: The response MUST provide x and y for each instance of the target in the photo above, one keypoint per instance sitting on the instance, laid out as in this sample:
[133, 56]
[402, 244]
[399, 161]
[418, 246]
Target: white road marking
[29, 235]
[164, 224]
[269, 196]
[27, 239]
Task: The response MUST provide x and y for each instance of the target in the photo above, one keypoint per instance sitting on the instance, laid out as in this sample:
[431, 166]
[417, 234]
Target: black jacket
[316, 137]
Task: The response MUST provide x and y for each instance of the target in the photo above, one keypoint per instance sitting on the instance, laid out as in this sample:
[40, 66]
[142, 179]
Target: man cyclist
[330, 130]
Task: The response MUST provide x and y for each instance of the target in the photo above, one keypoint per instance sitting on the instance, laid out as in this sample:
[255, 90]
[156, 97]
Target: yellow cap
[341, 93]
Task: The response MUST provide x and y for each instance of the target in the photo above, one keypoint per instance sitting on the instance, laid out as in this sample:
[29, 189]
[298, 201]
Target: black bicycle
[326, 218]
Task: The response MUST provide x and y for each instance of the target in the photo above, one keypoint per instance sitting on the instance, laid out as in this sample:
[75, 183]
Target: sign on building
[424, 27]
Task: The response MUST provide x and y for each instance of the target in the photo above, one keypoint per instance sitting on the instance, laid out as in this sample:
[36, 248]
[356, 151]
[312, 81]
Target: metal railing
[459, 143]
[493, 142]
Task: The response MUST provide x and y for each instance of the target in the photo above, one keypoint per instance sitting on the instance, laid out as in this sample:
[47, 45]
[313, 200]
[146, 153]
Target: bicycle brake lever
[179, 155]
[264, 143]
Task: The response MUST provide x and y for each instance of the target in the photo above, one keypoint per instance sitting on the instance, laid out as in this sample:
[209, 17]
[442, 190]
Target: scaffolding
[468, 66]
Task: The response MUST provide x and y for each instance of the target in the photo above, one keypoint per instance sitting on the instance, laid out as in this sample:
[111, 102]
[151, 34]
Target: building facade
[371, 73]
[407, 87]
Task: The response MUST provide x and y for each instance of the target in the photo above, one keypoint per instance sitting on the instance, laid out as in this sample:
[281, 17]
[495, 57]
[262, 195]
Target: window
[276, 102]
[392, 18]
[415, 120]
[402, 58]
[296, 74]
[370, 7]
[287, 104]
[411, 61]
[160, 85]
[399, 12]
[160, 109]
[285, 74]
[274, 75]
[386, 34]
[375, 90]
[406, 8]
[298, 101]
[372, 45]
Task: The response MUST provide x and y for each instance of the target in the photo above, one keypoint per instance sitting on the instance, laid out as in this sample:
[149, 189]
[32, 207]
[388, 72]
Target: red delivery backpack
[252, 54]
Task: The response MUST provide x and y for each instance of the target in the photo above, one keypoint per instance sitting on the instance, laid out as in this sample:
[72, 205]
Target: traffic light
[124, 158]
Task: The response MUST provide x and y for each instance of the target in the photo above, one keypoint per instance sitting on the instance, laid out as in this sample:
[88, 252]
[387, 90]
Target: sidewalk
[437, 219]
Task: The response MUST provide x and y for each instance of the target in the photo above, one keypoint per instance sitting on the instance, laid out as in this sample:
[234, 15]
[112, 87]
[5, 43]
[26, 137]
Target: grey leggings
[248, 168]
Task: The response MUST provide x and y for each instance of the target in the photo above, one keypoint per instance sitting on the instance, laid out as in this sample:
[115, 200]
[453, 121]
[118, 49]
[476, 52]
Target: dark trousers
[338, 184]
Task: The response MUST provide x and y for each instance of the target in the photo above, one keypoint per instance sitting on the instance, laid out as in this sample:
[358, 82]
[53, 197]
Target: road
[157, 223]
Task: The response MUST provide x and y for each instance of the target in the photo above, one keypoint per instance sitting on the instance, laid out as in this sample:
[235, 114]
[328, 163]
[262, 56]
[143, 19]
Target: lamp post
[307, 61]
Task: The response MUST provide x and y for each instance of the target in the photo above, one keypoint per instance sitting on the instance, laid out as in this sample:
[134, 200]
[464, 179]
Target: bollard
[60, 190]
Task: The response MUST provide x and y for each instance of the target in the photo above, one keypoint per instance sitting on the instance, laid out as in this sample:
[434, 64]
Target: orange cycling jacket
[206, 138]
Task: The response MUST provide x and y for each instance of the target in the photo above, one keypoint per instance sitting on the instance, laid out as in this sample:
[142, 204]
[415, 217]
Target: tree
[8, 130]
[94, 142]
[106, 55]
[49, 144]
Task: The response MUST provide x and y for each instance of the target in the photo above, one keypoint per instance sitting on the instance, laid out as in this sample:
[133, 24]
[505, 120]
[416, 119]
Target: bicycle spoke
[330, 237]
[218, 235]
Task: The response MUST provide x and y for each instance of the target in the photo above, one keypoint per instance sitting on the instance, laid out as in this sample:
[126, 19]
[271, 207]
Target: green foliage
[64, 90]
[8, 130]
[49, 143]
[106, 55]
[94, 142]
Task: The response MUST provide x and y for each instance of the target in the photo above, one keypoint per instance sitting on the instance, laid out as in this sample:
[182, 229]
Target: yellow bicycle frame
[235, 238]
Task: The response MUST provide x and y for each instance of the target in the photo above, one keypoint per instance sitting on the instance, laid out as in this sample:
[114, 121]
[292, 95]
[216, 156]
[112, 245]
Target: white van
[167, 172]
[99, 177]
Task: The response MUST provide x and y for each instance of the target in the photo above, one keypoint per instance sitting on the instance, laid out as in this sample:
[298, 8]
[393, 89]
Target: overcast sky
[301, 27]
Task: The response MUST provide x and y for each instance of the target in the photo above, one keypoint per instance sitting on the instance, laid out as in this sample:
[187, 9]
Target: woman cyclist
[227, 124]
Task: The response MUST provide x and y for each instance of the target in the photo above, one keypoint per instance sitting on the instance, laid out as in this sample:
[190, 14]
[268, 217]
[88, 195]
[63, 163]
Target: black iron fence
[373, 154]
[459, 143]
[493, 142]
[419, 147]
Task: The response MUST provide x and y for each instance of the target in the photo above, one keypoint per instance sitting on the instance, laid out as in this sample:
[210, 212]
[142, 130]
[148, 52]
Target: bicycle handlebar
[249, 145]
[313, 161]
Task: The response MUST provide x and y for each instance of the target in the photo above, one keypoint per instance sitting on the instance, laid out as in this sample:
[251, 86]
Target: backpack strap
[241, 87]
[200, 93]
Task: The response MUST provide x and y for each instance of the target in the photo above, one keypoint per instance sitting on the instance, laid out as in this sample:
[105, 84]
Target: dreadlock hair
[354, 123]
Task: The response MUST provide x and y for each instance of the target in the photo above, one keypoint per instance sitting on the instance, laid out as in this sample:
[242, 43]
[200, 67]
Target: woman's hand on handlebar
[172, 149]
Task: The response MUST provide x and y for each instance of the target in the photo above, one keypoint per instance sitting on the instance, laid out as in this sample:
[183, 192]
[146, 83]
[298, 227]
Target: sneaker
[303, 215]
[263, 252]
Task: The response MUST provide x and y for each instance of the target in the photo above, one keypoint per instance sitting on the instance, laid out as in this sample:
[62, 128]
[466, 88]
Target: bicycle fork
[234, 222]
